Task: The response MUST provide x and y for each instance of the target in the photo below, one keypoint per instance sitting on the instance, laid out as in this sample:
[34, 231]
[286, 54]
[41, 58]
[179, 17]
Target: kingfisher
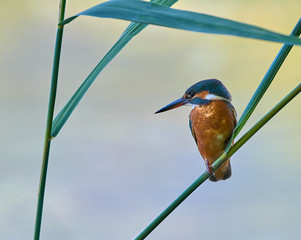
[212, 121]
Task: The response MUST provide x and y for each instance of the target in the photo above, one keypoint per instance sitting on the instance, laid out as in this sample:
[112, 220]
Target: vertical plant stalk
[51, 104]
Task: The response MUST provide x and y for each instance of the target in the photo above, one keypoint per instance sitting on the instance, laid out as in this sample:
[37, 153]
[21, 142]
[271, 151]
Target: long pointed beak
[178, 103]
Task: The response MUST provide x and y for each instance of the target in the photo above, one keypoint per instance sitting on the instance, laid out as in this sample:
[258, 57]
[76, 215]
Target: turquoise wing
[192, 131]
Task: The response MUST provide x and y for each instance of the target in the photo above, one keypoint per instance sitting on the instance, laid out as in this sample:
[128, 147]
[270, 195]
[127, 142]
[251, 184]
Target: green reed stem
[51, 104]
[267, 80]
[218, 163]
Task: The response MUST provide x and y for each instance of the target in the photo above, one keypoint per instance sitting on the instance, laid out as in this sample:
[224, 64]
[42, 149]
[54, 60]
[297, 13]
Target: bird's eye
[190, 94]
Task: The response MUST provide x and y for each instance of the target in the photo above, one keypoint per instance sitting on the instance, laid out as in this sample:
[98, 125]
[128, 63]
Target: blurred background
[115, 165]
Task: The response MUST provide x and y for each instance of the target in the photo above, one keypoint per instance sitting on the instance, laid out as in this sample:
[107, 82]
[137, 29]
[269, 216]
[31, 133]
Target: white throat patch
[215, 97]
[211, 97]
[194, 105]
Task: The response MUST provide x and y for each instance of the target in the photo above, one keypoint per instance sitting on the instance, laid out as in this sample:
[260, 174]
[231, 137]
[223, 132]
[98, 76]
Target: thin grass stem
[47, 140]
[218, 163]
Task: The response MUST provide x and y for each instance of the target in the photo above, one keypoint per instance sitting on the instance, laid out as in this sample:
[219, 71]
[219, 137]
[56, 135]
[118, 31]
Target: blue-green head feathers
[213, 86]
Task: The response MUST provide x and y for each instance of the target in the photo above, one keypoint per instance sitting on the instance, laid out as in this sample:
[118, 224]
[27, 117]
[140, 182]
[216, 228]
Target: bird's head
[201, 93]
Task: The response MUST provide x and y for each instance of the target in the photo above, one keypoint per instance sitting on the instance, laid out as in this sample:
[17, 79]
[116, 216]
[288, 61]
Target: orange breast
[212, 125]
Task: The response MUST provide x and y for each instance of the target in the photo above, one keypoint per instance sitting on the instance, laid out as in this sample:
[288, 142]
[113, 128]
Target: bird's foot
[209, 168]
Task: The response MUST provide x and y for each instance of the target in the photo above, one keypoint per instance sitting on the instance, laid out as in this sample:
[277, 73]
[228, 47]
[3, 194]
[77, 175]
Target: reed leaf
[152, 13]
[134, 10]
[267, 80]
[132, 30]
[265, 83]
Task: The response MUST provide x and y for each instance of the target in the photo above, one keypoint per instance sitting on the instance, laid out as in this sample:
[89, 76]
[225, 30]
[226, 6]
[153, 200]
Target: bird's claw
[209, 168]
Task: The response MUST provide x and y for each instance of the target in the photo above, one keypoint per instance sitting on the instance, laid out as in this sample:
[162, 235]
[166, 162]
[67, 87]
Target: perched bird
[212, 121]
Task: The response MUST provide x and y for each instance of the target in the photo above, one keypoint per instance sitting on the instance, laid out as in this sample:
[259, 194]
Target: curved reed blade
[266, 81]
[132, 30]
[152, 13]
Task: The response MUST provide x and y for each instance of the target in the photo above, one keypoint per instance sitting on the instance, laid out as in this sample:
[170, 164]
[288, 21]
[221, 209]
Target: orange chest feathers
[212, 125]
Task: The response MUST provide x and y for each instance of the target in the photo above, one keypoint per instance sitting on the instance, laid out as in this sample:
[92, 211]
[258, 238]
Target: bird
[212, 121]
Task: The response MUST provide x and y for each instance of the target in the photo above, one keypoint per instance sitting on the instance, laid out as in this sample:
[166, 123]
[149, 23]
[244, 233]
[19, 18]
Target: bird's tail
[223, 173]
